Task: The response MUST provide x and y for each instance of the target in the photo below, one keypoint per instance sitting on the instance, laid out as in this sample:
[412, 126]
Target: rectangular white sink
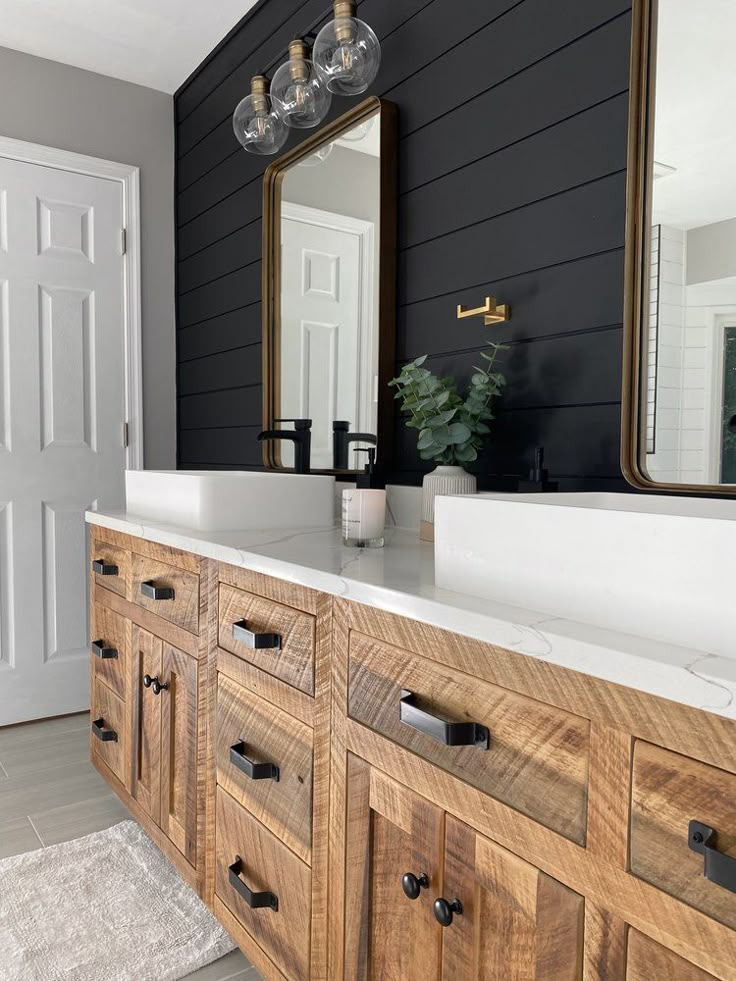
[221, 500]
[658, 567]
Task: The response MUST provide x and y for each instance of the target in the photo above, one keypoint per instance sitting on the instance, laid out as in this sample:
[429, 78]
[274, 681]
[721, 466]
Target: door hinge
[126, 435]
[123, 241]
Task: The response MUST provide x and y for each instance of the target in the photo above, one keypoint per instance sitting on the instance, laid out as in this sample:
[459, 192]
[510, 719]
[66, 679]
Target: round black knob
[159, 686]
[444, 911]
[147, 681]
[413, 885]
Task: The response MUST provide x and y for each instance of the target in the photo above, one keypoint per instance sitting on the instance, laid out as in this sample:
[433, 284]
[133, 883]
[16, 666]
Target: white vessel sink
[659, 567]
[220, 500]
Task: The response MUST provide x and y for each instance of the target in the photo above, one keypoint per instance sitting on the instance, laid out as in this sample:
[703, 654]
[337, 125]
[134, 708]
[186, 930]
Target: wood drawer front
[669, 791]
[183, 609]
[109, 711]
[248, 726]
[537, 760]
[266, 865]
[293, 661]
[649, 961]
[111, 633]
[117, 567]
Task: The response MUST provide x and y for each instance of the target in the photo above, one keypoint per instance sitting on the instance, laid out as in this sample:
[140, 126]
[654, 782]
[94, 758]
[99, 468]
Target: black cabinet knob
[445, 912]
[413, 884]
[147, 681]
[159, 686]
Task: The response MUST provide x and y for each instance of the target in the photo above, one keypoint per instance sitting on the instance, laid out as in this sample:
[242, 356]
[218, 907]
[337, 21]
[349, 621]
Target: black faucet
[341, 440]
[300, 436]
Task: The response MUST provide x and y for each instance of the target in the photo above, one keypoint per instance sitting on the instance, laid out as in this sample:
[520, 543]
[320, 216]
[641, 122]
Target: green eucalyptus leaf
[459, 432]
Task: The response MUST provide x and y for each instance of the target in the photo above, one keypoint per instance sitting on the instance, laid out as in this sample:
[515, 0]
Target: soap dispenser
[364, 507]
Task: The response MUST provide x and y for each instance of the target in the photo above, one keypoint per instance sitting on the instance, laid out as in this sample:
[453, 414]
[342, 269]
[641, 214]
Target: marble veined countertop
[400, 579]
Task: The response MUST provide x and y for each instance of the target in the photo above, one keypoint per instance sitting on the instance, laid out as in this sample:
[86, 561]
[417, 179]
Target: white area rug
[108, 907]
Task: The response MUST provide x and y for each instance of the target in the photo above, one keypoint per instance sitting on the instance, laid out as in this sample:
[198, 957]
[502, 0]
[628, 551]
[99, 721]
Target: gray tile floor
[50, 792]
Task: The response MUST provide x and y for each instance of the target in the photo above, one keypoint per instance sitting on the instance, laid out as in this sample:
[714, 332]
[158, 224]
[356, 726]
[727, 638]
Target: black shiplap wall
[512, 157]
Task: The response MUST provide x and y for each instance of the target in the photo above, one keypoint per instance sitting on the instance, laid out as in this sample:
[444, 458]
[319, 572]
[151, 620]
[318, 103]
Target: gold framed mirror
[329, 292]
[679, 378]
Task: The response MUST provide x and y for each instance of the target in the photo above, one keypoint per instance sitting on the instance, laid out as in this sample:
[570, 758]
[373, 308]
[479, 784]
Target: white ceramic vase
[442, 480]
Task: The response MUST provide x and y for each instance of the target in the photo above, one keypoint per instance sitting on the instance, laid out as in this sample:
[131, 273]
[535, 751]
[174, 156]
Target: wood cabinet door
[391, 832]
[179, 745]
[517, 924]
[146, 662]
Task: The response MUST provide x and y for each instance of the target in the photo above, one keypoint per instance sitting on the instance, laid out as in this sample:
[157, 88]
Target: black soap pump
[368, 479]
[538, 482]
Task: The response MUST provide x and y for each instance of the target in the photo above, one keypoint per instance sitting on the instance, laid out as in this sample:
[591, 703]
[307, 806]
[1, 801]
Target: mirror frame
[640, 167]
[271, 288]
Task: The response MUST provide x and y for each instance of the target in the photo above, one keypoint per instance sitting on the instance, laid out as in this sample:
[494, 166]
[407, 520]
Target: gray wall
[711, 252]
[55, 105]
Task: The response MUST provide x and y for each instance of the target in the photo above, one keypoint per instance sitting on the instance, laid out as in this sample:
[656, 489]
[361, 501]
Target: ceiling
[157, 43]
[695, 96]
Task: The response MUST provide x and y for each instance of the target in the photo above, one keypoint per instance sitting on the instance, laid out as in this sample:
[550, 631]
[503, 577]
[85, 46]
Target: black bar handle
[717, 866]
[104, 653]
[447, 733]
[103, 569]
[258, 642]
[256, 900]
[151, 591]
[256, 771]
[104, 734]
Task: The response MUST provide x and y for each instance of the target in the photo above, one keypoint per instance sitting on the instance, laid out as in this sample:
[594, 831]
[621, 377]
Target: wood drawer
[114, 566]
[669, 791]
[291, 658]
[251, 730]
[264, 865]
[110, 647]
[108, 737]
[649, 961]
[183, 607]
[537, 756]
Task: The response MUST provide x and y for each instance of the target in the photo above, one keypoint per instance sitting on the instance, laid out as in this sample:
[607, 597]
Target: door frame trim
[128, 177]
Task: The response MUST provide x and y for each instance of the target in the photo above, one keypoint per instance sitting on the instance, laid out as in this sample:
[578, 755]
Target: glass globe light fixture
[257, 120]
[300, 91]
[347, 52]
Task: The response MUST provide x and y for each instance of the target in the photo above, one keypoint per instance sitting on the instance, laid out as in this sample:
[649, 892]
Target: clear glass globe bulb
[348, 54]
[259, 127]
[301, 94]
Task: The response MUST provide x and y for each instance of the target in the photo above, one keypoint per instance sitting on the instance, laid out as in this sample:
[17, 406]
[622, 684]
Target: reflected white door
[326, 325]
[61, 422]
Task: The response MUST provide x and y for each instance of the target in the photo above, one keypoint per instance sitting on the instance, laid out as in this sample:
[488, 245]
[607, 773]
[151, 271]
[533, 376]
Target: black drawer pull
[103, 734]
[256, 900]
[717, 867]
[151, 591]
[256, 771]
[102, 569]
[447, 733]
[104, 653]
[257, 641]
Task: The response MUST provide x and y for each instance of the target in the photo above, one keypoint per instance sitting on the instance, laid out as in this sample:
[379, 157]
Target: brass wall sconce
[491, 311]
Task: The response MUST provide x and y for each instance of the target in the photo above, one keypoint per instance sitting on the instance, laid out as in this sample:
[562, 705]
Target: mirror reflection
[327, 337]
[689, 344]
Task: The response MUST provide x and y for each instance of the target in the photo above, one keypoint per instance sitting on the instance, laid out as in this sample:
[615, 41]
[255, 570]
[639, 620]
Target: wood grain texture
[668, 792]
[609, 795]
[277, 692]
[690, 731]
[107, 706]
[252, 950]
[605, 945]
[516, 923]
[143, 546]
[176, 635]
[538, 755]
[114, 632]
[287, 593]
[112, 555]
[268, 865]
[647, 960]
[180, 751]
[293, 662]
[269, 736]
[183, 609]
[146, 733]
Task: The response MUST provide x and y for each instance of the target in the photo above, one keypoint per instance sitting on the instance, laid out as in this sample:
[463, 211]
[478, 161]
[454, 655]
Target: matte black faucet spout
[341, 440]
[300, 436]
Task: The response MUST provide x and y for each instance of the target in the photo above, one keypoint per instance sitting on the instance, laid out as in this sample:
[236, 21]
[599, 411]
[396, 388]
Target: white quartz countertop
[400, 579]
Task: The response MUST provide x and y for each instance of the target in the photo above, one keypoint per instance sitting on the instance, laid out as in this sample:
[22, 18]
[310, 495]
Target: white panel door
[323, 334]
[62, 359]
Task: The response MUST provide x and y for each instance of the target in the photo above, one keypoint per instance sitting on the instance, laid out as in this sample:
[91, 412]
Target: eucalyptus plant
[451, 428]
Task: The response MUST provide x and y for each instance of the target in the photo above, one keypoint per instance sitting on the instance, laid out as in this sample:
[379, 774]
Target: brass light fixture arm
[491, 311]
